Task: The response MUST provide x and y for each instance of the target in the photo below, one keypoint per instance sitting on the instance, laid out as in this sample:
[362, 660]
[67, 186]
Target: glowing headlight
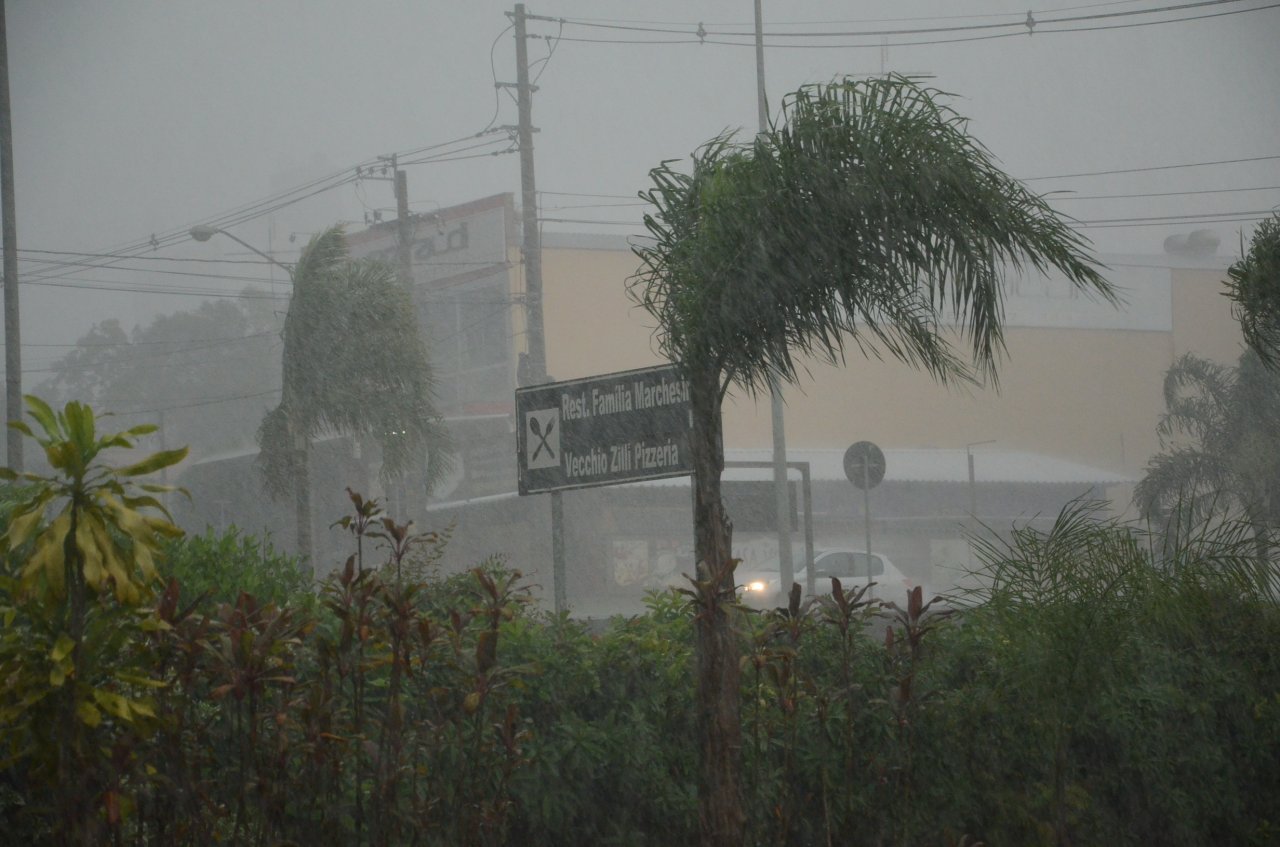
[756, 585]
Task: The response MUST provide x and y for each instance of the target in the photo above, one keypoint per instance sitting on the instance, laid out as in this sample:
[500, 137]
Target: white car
[763, 589]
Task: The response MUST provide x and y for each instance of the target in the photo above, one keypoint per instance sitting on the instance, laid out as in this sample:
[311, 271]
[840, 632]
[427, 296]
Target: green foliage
[353, 363]
[1253, 284]
[77, 692]
[866, 216]
[1101, 687]
[867, 213]
[1221, 447]
[222, 348]
[217, 568]
[101, 536]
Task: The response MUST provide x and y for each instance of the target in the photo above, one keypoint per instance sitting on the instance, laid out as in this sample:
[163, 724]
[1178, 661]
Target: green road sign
[603, 430]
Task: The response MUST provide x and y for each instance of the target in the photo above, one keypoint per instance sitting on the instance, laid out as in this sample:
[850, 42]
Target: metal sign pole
[866, 512]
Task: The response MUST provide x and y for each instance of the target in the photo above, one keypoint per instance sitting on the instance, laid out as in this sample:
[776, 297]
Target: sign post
[602, 430]
[864, 466]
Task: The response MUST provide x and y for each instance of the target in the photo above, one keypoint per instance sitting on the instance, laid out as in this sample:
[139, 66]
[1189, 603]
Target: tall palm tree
[868, 216]
[1253, 284]
[1220, 445]
[354, 363]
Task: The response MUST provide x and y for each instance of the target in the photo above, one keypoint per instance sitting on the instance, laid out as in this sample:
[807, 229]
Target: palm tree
[353, 363]
[1253, 284]
[867, 215]
[1220, 446]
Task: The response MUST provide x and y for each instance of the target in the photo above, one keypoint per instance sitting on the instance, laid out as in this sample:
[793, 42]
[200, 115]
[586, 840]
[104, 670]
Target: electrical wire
[1020, 24]
[62, 366]
[583, 194]
[79, 345]
[171, 291]
[1069, 196]
[1154, 168]
[551, 51]
[872, 20]
[198, 403]
[1017, 29]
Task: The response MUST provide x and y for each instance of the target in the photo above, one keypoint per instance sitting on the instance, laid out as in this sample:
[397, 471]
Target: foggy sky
[135, 117]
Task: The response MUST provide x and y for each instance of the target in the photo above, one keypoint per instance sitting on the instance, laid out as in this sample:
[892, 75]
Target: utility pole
[12, 327]
[405, 231]
[404, 226]
[781, 493]
[531, 251]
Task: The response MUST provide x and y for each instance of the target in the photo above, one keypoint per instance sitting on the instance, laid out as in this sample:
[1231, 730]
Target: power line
[203, 402]
[1018, 23]
[1125, 223]
[63, 366]
[1154, 168]
[109, 344]
[1068, 196]
[106, 285]
[746, 25]
[1016, 29]
[254, 209]
[541, 219]
[584, 194]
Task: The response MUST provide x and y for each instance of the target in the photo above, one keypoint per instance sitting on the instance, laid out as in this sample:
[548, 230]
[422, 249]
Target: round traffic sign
[864, 464]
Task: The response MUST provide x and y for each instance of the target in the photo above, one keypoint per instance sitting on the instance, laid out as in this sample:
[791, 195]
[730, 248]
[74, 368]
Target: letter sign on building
[603, 430]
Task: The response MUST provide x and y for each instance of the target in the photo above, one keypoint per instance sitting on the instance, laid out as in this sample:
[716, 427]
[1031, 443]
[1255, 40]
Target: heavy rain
[602, 422]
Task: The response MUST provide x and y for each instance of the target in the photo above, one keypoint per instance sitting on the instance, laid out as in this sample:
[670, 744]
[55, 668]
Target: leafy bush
[1100, 690]
[216, 568]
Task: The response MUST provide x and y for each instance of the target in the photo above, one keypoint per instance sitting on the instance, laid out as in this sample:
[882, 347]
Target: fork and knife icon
[536, 428]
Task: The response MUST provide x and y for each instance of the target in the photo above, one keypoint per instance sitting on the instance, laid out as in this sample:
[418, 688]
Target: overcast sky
[134, 118]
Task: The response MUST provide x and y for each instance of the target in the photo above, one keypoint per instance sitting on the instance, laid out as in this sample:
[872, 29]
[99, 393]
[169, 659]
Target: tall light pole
[781, 490]
[302, 444]
[12, 328]
[973, 498]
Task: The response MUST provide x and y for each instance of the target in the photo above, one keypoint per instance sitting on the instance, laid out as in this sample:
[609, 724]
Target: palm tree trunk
[721, 817]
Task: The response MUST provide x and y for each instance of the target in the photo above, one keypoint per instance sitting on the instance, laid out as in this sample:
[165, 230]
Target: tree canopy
[353, 363]
[865, 214]
[199, 372]
[1220, 444]
[1253, 284]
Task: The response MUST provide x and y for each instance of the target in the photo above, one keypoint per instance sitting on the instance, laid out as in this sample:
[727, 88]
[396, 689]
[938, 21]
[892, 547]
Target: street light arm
[204, 233]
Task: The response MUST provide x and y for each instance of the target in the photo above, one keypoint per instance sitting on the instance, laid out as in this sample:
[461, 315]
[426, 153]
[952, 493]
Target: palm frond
[1253, 284]
[867, 215]
[354, 363]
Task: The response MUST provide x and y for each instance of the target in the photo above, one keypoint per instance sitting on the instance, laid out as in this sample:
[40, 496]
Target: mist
[133, 124]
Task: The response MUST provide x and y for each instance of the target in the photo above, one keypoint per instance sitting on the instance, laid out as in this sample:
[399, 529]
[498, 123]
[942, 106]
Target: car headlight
[756, 585]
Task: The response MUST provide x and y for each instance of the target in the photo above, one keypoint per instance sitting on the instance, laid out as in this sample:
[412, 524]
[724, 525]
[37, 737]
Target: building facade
[1074, 413]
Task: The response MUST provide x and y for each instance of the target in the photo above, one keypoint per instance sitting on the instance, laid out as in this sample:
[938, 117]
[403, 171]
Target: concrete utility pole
[781, 493]
[404, 228]
[404, 224]
[536, 368]
[12, 327]
[532, 249]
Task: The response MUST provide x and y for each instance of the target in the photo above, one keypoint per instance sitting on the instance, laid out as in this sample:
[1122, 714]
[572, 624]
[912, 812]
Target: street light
[302, 481]
[203, 232]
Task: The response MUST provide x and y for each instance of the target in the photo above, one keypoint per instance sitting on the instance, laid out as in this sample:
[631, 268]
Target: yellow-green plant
[101, 539]
[80, 553]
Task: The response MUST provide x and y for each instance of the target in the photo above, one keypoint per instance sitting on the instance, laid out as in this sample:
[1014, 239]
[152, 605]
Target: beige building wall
[1092, 395]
